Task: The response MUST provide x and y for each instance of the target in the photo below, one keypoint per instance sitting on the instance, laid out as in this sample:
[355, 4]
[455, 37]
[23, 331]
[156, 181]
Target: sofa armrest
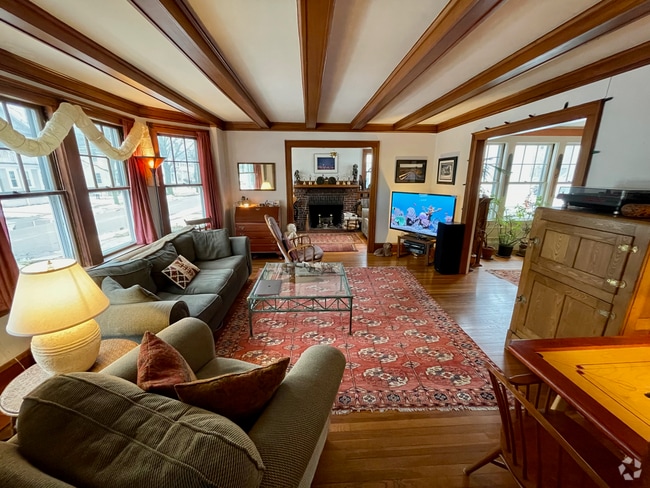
[241, 245]
[287, 433]
[17, 472]
[134, 319]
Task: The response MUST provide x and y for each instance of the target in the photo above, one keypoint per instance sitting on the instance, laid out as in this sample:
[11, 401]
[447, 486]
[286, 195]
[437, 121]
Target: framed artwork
[326, 163]
[410, 170]
[447, 170]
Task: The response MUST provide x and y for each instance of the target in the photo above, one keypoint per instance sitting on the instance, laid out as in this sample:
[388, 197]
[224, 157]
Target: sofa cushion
[159, 261]
[212, 244]
[127, 274]
[184, 244]
[118, 295]
[238, 396]
[160, 366]
[204, 306]
[181, 272]
[97, 430]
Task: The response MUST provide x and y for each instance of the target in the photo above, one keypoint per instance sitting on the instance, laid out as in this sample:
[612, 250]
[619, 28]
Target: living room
[617, 160]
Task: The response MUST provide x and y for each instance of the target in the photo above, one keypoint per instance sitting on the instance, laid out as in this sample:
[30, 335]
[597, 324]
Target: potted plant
[514, 227]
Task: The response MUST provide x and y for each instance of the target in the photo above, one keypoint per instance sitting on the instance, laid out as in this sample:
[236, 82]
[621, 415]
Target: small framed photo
[326, 163]
[447, 170]
[410, 170]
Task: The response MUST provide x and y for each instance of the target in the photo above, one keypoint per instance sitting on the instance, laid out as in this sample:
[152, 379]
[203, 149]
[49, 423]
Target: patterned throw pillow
[161, 366]
[181, 272]
[240, 397]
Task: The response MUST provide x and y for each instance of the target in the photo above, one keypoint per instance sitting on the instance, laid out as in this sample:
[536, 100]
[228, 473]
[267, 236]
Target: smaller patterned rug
[510, 275]
[335, 241]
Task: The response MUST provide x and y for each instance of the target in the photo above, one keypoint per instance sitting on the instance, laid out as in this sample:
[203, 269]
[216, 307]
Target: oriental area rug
[335, 241]
[405, 352]
[511, 275]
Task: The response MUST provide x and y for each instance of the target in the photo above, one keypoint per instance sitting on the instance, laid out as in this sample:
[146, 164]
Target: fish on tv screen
[420, 213]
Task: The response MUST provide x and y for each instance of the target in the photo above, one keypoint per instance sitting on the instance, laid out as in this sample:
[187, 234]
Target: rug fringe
[412, 409]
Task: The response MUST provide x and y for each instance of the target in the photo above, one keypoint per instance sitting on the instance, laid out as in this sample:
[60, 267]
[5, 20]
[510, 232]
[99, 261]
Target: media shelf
[423, 246]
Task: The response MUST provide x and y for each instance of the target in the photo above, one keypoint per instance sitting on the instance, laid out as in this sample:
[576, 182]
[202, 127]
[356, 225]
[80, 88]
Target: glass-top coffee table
[300, 287]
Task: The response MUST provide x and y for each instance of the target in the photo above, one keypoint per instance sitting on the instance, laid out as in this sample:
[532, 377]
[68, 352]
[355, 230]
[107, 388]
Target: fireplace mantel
[327, 186]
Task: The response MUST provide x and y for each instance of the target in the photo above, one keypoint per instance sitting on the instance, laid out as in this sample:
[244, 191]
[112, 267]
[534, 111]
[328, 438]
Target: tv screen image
[420, 213]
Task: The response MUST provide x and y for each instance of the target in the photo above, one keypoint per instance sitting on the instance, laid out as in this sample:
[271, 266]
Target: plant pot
[504, 251]
[522, 249]
[488, 252]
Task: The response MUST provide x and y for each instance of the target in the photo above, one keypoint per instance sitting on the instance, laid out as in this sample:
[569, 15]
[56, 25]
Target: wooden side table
[426, 245]
[22, 385]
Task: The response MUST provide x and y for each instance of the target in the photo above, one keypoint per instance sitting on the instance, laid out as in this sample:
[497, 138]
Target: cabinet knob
[616, 283]
[521, 299]
[534, 241]
[628, 248]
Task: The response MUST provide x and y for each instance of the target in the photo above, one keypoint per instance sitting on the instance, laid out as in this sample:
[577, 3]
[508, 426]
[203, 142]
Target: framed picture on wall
[326, 163]
[447, 170]
[410, 170]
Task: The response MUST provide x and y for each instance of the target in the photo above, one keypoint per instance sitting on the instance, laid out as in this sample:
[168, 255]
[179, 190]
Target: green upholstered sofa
[143, 298]
[101, 430]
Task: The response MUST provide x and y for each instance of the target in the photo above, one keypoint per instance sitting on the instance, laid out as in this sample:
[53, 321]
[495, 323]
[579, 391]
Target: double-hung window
[181, 179]
[32, 200]
[108, 189]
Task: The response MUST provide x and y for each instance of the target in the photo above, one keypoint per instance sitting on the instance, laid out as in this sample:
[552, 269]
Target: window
[527, 174]
[31, 199]
[108, 189]
[567, 170]
[181, 179]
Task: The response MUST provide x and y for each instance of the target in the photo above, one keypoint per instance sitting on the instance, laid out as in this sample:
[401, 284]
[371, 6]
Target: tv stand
[419, 245]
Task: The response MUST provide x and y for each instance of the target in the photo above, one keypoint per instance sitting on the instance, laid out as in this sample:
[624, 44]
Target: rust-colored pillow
[240, 397]
[160, 366]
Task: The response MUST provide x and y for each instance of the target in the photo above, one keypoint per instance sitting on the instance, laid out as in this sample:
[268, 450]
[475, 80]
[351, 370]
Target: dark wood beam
[38, 23]
[616, 64]
[455, 22]
[314, 22]
[602, 18]
[298, 127]
[176, 20]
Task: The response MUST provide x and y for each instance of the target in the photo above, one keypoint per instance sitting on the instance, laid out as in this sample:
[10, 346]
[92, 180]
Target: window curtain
[8, 267]
[145, 230]
[210, 184]
[259, 177]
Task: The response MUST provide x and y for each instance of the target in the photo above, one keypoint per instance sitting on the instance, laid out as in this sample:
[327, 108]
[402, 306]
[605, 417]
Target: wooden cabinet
[249, 221]
[584, 275]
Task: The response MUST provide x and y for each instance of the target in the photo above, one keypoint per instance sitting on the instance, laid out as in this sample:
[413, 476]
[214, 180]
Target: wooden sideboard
[249, 221]
[584, 275]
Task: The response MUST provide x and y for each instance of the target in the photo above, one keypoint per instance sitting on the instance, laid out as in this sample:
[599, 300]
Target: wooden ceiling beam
[176, 20]
[616, 64]
[455, 22]
[314, 23]
[602, 18]
[38, 23]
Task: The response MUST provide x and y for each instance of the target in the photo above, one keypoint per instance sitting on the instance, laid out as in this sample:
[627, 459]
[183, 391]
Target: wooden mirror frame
[591, 112]
[374, 145]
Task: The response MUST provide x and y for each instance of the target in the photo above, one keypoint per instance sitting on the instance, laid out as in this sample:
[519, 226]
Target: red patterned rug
[405, 352]
[335, 241]
[511, 275]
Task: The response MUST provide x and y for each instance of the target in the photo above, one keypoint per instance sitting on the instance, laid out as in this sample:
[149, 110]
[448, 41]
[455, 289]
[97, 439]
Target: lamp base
[69, 350]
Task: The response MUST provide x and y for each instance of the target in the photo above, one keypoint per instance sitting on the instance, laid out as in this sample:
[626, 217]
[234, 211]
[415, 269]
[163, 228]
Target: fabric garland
[58, 127]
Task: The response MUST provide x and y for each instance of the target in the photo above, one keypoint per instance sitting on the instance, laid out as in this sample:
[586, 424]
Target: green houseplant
[514, 226]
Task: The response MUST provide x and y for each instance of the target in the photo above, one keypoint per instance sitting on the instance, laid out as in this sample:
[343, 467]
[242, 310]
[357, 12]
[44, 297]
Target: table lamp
[55, 303]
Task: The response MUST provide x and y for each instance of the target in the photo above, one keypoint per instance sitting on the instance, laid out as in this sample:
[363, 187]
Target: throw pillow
[241, 397]
[181, 272]
[161, 366]
[212, 244]
[119, 295]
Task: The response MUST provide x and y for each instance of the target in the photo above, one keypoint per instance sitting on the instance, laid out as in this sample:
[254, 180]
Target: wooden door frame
[288, 161]
[591, 112]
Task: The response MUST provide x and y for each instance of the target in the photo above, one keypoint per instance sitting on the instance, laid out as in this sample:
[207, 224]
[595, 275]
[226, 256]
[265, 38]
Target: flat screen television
[420, 213]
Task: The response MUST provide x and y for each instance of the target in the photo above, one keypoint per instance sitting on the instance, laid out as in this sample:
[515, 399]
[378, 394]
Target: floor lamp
[153, 163]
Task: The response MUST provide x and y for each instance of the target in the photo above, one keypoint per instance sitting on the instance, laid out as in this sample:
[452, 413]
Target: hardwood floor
[426, 449]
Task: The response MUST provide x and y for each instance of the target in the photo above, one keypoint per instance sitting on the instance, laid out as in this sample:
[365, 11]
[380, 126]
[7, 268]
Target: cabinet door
[547, 308]
[579, 255]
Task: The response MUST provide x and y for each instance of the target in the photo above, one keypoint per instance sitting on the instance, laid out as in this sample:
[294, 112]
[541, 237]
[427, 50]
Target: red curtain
[210, 185]
[145, 230]
[8, 267]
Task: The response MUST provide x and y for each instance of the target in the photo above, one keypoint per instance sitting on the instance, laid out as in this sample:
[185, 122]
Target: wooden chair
[296, 250]
[200, 224]
[543, 447]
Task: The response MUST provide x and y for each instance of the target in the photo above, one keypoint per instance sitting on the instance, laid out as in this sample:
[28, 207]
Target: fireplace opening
[325, 216]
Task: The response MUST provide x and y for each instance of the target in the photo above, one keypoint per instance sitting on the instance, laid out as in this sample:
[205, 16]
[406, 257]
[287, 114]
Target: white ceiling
[260, 42]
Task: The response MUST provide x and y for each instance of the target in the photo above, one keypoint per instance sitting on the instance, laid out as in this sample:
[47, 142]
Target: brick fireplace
[323, 200]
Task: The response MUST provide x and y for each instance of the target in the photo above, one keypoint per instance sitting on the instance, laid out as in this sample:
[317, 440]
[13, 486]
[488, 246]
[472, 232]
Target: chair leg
[488, 458]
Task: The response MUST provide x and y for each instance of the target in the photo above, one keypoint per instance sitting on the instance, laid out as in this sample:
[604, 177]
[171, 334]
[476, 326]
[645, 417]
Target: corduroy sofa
[144, 298]
[100, 429]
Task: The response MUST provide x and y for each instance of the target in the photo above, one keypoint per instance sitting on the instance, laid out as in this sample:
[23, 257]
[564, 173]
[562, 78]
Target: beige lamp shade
[55, 301]
[266, 186]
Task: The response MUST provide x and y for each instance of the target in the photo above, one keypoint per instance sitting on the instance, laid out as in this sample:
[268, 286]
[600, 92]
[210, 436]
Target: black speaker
[449, 247]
